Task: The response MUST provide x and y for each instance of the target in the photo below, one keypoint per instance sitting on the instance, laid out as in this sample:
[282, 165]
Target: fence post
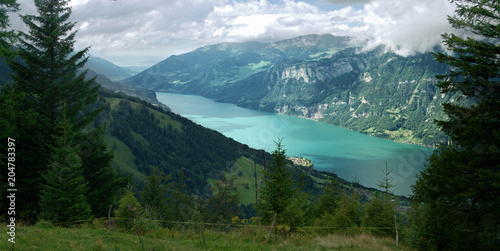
[109, 217]
[397, 236]
[272, 226]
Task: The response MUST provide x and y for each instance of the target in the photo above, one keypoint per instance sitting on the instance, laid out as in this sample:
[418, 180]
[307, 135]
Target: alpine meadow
[92, 160]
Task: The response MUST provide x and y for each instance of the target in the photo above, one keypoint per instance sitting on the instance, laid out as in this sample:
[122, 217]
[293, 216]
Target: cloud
[407, 26]
[344, 2]
[161, 28]
[147, 31]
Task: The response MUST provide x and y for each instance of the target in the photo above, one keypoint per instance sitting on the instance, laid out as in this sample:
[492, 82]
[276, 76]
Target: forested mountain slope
[146, 136]
[324, 78]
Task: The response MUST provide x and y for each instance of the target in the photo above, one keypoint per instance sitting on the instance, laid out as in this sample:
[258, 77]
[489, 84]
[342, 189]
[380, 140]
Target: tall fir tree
[63, 193]
[104, 181]
[6, 36]
[456, 199]
[48, 78]
[8, 103]
[278, 191]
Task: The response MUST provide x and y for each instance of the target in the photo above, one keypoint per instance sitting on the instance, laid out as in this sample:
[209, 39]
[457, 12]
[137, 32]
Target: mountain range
[321, 77]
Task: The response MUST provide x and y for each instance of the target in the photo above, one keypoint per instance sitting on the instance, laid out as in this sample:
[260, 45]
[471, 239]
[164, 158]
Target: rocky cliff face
[316, 77]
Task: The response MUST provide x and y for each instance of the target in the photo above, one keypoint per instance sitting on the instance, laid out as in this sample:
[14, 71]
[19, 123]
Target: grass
[123, 156]
[94, 237]
[323, 54]
[246, 166]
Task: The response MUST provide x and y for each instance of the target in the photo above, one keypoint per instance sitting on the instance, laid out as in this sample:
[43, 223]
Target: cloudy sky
[144, 32]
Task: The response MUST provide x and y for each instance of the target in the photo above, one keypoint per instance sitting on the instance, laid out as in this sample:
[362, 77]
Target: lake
[351, 155]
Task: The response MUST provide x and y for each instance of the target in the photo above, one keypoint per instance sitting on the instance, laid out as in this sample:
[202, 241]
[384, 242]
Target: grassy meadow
[95, 237]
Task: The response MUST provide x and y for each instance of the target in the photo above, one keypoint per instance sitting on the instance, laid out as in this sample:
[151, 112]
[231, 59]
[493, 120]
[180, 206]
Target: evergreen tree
[6, 36]
[386, 183]
[380, 211]
[154, 193]
[278, 190]
[456, 198]
[49, 74]
[223, 204]
[8, 103]
[180, 202]
[128, 210]
[104, 181]
[47, 77]
[63, 194]
[328, 201]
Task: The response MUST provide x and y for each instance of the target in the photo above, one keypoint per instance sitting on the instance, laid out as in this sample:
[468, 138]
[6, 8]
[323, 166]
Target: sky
[140, 33]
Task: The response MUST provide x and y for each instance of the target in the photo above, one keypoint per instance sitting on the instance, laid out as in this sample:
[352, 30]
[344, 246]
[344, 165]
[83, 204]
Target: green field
[95, 237]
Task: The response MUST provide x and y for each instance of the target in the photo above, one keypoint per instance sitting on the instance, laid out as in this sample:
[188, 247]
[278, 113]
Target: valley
[319, 77]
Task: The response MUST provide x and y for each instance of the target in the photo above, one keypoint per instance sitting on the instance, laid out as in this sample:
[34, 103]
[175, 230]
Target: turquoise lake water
[351, 155]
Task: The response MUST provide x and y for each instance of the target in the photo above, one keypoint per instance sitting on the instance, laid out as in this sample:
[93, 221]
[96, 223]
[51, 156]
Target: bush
[150, 219]
[128, 210]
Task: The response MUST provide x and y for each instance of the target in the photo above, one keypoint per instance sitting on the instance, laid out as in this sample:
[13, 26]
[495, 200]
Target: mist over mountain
[321, 77]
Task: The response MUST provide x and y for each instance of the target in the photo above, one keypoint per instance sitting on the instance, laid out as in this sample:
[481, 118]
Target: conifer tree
[8, 103]
[155, 190]
[6, 36]
[222, 206]
[48, 78]
[328, 201]
[278, 191]
[456, 198]
[380, 211]
[180, 202]
[104, 181]
[63, 194]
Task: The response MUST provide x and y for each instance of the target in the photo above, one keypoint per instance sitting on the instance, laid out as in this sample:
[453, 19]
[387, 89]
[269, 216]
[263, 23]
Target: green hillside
[144, 136]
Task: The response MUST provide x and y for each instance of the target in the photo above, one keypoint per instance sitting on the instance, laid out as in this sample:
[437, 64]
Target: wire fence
[255, 225]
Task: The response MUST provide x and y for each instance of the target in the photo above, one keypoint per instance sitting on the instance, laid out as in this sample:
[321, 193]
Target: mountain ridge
[320, 77]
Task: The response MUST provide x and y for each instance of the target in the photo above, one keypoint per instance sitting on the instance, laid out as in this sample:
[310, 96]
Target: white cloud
[407, 26]
[148, 31]
[348, 1]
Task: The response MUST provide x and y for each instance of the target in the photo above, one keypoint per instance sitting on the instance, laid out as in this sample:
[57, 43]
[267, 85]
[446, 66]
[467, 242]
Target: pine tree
[386, 183]
[277, 193]
[48, 79]
[456, 198]
[6, 36]
[223, 204]
[104, 181]
[180, 202]
[8, 103]
[328, 201]
[49, 74]
[155, 191]
[380, 211]
[63, 194]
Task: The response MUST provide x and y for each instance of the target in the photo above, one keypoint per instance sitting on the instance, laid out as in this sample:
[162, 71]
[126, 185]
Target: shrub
[127, 211]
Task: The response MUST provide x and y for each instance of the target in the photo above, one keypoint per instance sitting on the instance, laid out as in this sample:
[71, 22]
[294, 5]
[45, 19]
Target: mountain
[320, 77]
[106, 68]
